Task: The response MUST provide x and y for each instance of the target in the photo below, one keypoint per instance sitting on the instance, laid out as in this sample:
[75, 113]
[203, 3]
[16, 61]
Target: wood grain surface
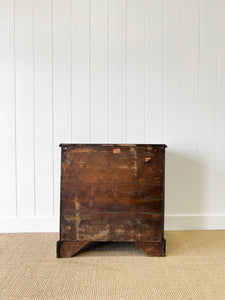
[113, 193]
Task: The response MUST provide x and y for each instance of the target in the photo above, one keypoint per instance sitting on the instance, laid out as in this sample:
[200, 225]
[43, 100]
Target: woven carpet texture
[194, 268]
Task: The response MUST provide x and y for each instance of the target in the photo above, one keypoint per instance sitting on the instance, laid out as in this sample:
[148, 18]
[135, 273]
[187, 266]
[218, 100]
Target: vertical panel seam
[34, 119]
[199, 50]
[181, 100]
[181, 72]
[148, 105]
[15, 102]
[53, 131]
[145, 71]
[71, 72]
[163, 70]
[108, 71]
[90, 133]
[126, 74]
[217, 115]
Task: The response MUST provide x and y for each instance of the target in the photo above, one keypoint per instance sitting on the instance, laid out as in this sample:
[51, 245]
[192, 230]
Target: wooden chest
[112, 193]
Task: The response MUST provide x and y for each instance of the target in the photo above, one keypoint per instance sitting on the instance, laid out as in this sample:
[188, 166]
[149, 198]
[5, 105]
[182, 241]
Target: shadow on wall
[190, 184]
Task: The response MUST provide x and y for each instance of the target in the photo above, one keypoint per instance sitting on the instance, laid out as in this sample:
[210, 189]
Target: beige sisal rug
[194, 268]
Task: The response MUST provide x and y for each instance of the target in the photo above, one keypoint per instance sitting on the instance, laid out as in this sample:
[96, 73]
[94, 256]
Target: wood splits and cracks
[77, 218]
[134, 165]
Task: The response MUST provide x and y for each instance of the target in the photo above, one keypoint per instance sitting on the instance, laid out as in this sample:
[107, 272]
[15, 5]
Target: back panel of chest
[112, 193]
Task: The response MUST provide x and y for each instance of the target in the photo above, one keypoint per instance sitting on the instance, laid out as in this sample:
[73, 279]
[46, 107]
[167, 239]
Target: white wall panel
[62, 70]
[117, 71]
[24, 76]
[113, 71]
[43, 107]
[99, 71]
[172, 102]
[190, 167]
[154, 71]
[207, 104]
[220, 143]
[80, 71]
[135, 71]
[7, 110]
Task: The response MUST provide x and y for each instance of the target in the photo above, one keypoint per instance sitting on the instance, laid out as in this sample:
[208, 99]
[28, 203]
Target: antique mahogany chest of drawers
[112, 193]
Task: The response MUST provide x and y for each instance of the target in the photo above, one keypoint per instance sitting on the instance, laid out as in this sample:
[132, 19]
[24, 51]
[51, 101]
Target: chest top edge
[112, 145]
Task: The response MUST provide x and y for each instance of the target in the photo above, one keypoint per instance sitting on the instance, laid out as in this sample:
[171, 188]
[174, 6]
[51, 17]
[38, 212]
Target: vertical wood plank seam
[163, 70]
[108, 70]
[199, 61]
[144, 70]
[126, 74]
[181, 103]
[34, 104]
[90, 132]
[15, 101]
[71, 72]
[217, 114]
[53, 120]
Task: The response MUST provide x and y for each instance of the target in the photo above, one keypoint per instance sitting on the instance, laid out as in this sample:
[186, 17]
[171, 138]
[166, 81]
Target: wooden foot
[153, 248]
[68, 248]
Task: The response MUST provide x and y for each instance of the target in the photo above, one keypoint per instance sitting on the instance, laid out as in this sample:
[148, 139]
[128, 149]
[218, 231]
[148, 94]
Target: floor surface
[194, 268]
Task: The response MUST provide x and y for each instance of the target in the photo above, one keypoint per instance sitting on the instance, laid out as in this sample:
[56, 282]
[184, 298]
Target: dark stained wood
[102, 164]
[114, 227]
[68, 248]
[112, 193]
[153, 248]
[113, 197]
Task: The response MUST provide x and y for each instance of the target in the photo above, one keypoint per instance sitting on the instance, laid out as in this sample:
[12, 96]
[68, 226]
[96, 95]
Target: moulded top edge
[113, 145]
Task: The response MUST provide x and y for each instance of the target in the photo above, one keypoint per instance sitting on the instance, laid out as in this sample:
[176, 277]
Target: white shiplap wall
[118, 71]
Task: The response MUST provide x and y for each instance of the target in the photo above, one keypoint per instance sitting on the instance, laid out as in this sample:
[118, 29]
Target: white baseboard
[190, 222]
[51, 224]
[29, 224]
